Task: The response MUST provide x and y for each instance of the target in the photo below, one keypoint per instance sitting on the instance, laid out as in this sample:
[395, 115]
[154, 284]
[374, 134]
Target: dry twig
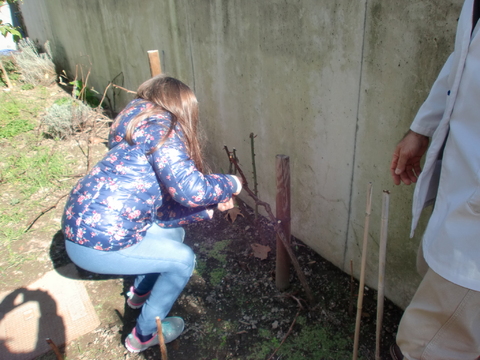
[161, 341]
[54, 348]
[122, 88]
[44, 211]
[286, 335]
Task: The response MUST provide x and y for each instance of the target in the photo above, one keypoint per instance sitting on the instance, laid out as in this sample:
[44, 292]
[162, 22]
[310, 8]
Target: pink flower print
[68, 232]
[69, 213]
[96, 217]
[77, 188]
[95, 170]
[172, 191]
[120, 234]
[133, 214]
[120, 169]
[139, 133]
[112, 158]
[113, 185]
[80, 233]
[118, 138]
[78, 221]
[218, 190]
[192, 204]
[150, 201]
[98, 246]
[197, 198]
[80, 199]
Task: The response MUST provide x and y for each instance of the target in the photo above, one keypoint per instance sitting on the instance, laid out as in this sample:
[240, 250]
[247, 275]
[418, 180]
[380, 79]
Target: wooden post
[7, 79]
[282, 270]
[154, 59]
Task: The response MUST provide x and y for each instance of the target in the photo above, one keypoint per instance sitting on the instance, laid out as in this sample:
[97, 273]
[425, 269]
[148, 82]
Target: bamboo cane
[381, 270]
[161, 341]
[362, 271]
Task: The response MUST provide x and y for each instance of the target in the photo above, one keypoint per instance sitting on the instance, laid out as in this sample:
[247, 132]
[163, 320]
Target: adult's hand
[405, 165]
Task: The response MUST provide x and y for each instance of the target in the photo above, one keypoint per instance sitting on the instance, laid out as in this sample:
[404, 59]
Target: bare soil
[231, 306]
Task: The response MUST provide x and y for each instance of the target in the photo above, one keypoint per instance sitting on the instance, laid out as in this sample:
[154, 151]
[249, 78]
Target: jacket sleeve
[431, 112]
[183, 182]
[173, 214]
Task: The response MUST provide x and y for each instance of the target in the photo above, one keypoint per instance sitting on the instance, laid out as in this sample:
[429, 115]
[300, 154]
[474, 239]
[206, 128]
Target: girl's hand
[226, 205]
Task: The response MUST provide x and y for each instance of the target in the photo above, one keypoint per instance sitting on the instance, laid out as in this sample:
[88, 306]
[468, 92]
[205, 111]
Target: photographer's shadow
[26, 305]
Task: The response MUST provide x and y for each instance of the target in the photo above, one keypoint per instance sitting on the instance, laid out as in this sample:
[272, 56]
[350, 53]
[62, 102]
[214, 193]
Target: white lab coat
[451, 242]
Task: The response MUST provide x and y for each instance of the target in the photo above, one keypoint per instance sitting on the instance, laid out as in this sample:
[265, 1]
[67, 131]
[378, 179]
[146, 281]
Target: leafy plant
[7, 28]
[83, 93]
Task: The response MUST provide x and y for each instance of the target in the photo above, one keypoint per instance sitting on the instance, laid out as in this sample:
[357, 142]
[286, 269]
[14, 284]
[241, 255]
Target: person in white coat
[443, 318]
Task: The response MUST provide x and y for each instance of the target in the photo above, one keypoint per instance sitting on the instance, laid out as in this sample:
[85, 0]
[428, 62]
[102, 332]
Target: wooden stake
[7, 79]
[154, 59]
[282, 268]
[362, 271]
[381, 270]
[161, 341]
[54, 348]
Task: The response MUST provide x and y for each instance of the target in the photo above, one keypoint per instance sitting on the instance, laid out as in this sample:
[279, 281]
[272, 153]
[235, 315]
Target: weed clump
[36, 68]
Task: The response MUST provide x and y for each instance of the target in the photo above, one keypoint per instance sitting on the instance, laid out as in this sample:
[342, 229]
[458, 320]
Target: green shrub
[65, 118]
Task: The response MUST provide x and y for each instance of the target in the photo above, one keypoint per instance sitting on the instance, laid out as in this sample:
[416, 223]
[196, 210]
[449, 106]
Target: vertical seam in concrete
[189, 35]
[356, 134]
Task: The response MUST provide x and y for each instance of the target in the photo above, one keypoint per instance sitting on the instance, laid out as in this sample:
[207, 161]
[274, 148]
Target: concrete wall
[332, 84]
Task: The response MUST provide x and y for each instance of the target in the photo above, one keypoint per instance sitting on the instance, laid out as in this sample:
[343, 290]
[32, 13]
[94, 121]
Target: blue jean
[160, 252]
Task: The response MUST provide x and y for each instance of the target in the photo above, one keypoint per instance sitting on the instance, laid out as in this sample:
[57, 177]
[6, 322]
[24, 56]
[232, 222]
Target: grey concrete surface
[332, 84]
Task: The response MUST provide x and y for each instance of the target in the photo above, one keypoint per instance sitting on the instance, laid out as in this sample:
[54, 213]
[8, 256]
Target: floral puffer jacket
[112, 207]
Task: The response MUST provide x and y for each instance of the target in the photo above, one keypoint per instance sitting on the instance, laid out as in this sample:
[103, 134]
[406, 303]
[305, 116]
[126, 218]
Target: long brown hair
[171, 95]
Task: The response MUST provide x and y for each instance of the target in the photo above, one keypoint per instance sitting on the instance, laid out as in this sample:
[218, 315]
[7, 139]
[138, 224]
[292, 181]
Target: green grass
[29, 171]
[38, 169]
[315, 341]
[18, 114]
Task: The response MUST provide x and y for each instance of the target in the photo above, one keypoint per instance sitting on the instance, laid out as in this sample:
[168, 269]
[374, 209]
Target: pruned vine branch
[279, 230]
